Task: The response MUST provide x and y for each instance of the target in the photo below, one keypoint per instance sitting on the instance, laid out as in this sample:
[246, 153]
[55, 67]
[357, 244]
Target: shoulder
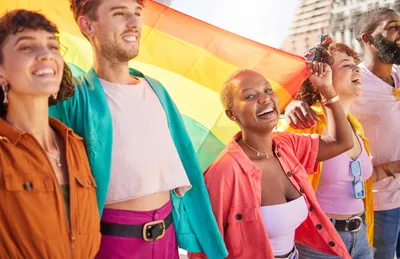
[285, 138]
[297, 142]
[81, 83]
[224, 167]
[396, 68]
[79, 80]
[369, 80]
[153, 82]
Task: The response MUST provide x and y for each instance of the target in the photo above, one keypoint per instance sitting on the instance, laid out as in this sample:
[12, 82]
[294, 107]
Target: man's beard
[117, 54]
[388, 51]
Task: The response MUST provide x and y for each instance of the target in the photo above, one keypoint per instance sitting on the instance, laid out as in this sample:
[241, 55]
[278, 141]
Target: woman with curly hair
[343, 185]
[48, 205]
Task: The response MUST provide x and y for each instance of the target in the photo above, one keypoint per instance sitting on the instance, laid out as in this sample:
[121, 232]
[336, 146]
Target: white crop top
[281, 221]
[144, 157]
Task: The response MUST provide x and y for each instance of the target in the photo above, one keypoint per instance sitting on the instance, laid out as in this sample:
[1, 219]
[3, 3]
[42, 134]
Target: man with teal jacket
[150, 189]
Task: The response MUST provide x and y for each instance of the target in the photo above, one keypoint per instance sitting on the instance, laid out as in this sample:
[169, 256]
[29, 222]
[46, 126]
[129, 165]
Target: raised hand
[320, 75]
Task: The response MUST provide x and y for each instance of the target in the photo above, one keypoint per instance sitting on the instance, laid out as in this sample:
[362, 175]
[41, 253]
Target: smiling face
[346, 76]
[117, 29]
[255, 106]
[32, 64]
[387, 39]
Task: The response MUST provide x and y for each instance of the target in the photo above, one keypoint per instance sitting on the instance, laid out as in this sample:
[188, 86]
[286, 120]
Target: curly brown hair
[308, 92]
[89, 8]
[16, 21]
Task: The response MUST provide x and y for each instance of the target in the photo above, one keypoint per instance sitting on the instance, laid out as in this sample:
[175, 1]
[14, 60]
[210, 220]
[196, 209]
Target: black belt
[149, 232]
[352, 224]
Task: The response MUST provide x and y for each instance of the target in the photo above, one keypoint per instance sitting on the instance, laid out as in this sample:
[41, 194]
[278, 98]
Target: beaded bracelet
[330, 100]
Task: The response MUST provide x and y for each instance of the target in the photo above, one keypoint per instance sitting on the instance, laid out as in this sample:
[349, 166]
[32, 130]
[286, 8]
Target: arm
[340, 138]
[219, 185]
[60, 112]
[385, 170]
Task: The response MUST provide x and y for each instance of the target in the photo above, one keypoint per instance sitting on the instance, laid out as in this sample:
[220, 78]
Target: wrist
[331, 100]
[327, 92]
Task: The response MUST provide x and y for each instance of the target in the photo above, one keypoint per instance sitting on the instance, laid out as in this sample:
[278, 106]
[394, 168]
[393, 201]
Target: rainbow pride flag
[191, 58]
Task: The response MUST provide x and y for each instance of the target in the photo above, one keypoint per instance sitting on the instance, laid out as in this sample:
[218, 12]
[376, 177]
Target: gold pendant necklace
[258, 152]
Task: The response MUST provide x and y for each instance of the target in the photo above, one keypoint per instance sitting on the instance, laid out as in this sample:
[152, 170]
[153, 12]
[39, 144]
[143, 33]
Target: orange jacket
[33, 222]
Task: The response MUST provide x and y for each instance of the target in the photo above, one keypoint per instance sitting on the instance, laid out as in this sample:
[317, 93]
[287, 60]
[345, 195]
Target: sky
[265, 21]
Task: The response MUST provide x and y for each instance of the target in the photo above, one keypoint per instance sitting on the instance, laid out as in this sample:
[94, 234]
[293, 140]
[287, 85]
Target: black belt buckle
[153, 231]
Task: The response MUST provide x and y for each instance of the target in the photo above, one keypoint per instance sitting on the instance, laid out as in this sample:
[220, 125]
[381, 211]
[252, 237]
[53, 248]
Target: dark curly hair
[16, 21]
[308, 92]
[369, 21]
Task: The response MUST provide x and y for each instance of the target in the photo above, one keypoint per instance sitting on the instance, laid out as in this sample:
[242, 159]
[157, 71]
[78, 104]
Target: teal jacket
[88, 114]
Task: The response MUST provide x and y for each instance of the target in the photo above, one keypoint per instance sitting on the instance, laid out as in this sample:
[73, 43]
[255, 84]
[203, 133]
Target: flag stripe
[191, 59]
[203, 62]
[274, 64]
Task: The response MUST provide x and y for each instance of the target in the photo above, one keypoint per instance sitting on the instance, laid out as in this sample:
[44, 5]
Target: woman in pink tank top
[343, 181]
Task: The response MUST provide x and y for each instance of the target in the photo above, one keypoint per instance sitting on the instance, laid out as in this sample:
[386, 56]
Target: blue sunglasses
[358, 183]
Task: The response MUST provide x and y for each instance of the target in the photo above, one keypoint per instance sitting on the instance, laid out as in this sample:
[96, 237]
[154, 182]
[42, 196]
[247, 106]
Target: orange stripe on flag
[284, 68]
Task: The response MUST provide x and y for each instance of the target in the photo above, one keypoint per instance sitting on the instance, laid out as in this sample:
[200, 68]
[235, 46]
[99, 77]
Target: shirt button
[238, 216]
[319, 226]
[289, 174]
[331, 244]
[278, 154]
[89, 182]
[28, 186]
[311, 208]
[156, 216]
[301, 190]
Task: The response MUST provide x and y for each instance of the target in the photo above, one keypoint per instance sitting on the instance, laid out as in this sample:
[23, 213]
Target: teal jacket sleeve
[60, 112]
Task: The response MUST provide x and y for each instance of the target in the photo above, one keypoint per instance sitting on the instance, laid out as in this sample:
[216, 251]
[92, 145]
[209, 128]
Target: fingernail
[316, 73]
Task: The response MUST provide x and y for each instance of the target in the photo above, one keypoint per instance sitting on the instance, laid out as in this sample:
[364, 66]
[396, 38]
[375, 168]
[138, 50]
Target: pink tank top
[335, 193]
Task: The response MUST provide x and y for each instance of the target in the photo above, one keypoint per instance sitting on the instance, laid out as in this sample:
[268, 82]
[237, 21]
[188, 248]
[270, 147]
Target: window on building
[351, 34]
[306, 43]
[293, 46]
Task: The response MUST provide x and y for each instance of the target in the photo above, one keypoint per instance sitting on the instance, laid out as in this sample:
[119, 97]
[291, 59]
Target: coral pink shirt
[233, 182]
